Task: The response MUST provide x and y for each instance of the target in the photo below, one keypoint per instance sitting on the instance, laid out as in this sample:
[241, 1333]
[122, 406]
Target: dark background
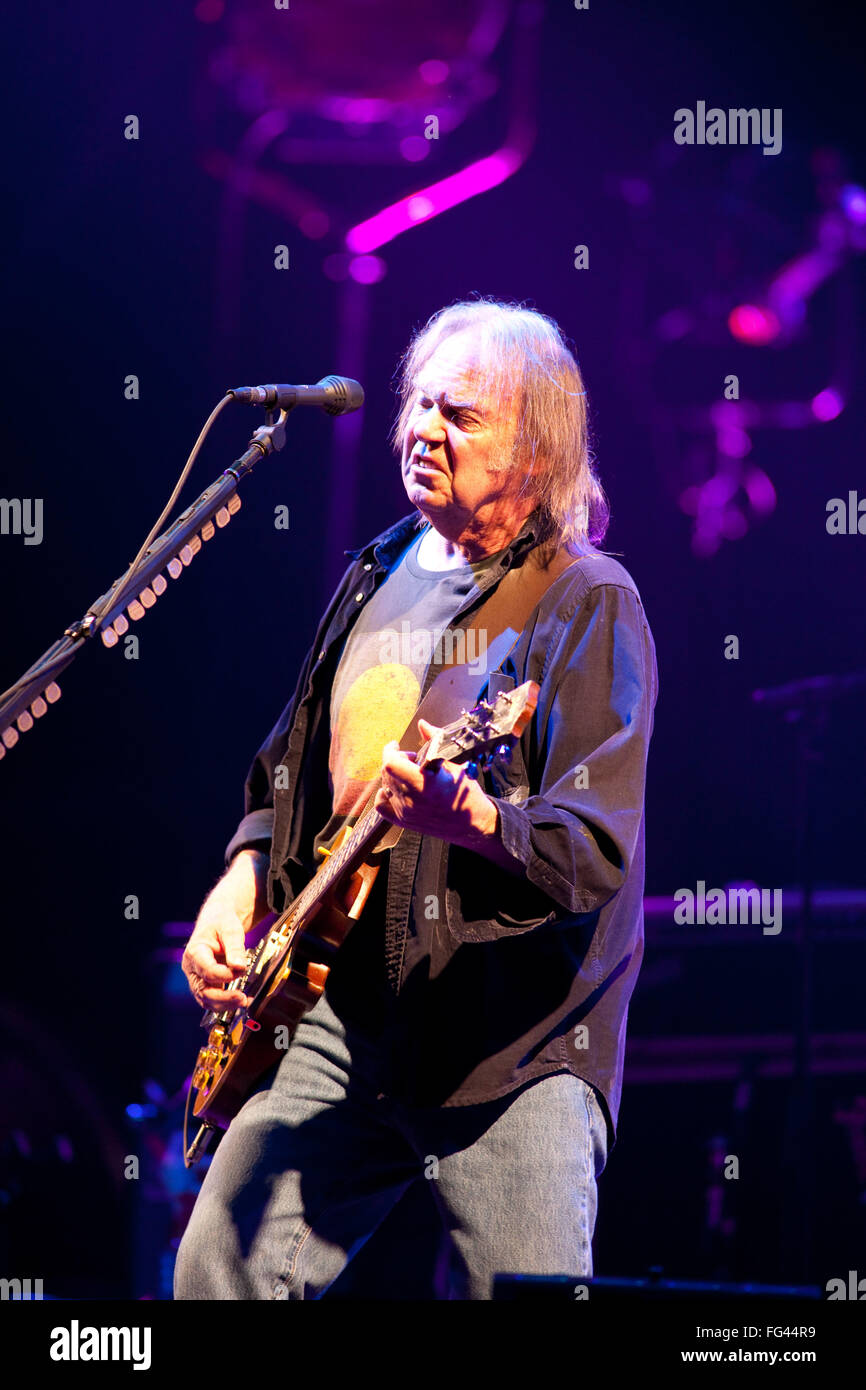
[114, 262]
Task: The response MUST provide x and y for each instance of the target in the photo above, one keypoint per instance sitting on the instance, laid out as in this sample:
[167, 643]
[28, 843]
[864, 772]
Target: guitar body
[240, 1050]
[287, 971]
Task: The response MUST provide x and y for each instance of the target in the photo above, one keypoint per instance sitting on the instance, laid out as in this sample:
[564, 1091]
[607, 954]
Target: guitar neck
[342, 861]
[477, 732]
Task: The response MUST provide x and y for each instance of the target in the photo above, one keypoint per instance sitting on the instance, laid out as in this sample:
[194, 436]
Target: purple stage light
[760, 491]
[367, 270]
[434, 72]
[366, 70]
[674, 324]
[314, 224]
[414, 148]
[429, 202]
[419, 208]
[754, 324]
[827, 404]
[853, 201]
[733, 442]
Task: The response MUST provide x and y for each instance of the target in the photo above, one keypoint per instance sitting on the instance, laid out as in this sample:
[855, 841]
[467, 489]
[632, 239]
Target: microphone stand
[133, 593]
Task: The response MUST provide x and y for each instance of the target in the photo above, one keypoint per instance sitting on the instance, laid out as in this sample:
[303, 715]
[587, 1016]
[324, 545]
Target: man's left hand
[446, 803]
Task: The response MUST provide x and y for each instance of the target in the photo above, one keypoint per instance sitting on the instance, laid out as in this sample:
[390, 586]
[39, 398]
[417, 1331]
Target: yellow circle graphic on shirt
[376, 708]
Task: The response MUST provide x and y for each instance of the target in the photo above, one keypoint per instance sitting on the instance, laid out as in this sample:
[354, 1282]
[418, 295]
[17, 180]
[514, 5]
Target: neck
[447, 547]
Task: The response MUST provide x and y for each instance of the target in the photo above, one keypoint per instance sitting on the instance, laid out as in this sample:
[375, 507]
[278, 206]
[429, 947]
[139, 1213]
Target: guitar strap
[494, 628]
[490, 633]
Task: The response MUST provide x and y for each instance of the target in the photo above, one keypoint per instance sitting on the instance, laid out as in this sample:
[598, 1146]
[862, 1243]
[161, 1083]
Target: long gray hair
[524, 358]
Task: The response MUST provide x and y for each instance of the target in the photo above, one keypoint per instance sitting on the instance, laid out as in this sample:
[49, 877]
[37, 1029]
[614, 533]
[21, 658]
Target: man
[473, 1024]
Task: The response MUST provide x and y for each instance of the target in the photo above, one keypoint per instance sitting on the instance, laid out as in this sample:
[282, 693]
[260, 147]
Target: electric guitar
[287, 970]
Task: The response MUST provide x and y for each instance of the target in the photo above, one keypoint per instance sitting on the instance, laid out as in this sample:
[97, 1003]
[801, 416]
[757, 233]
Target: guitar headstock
[487, 730]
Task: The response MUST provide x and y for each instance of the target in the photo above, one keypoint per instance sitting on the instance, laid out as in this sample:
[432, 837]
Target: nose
[429, 427]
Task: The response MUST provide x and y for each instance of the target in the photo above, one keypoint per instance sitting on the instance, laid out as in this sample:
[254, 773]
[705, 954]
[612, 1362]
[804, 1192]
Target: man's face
[456, 442]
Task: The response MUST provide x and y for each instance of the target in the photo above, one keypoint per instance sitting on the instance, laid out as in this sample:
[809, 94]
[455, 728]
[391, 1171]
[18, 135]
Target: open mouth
[423, 462]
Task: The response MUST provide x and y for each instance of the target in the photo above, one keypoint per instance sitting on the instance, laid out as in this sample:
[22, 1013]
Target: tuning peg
[175, 568]
[223, 517]
[135, 610]
[208, 531]
[147, 597]
[159, 584]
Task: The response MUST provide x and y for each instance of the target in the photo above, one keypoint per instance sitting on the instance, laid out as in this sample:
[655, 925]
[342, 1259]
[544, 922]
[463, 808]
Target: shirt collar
[391, 542]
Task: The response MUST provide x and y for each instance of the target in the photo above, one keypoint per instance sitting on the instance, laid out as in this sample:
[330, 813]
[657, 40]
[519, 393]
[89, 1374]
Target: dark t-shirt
[384, 664]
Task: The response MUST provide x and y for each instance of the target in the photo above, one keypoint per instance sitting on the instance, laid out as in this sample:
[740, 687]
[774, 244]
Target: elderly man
[472, 1029]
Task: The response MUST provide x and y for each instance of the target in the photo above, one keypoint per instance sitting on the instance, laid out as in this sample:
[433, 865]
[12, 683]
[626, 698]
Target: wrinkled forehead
[461, 370]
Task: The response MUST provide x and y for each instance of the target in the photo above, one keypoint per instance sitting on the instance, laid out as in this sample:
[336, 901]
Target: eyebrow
[443, 399]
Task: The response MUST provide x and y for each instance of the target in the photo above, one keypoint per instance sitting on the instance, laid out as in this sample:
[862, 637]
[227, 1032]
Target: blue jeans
[312, 1164]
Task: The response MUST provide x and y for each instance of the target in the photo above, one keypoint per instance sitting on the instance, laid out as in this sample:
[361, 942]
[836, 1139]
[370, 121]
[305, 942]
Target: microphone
[337, 395]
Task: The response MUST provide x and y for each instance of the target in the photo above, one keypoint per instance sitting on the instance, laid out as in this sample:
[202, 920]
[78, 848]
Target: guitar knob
[503, 752]
[472, 769]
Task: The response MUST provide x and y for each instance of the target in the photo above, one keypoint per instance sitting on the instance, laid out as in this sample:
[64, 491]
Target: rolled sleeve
[576, 826]
[254, 832]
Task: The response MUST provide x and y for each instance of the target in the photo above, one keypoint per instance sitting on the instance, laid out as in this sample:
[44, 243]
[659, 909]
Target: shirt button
[359, 598]
[322, 654]
[368, 567]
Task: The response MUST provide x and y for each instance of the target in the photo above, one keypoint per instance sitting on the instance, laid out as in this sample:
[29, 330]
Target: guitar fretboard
[363, 831]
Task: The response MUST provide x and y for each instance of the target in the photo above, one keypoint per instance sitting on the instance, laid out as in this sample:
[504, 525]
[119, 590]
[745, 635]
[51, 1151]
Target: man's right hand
[216, 953]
